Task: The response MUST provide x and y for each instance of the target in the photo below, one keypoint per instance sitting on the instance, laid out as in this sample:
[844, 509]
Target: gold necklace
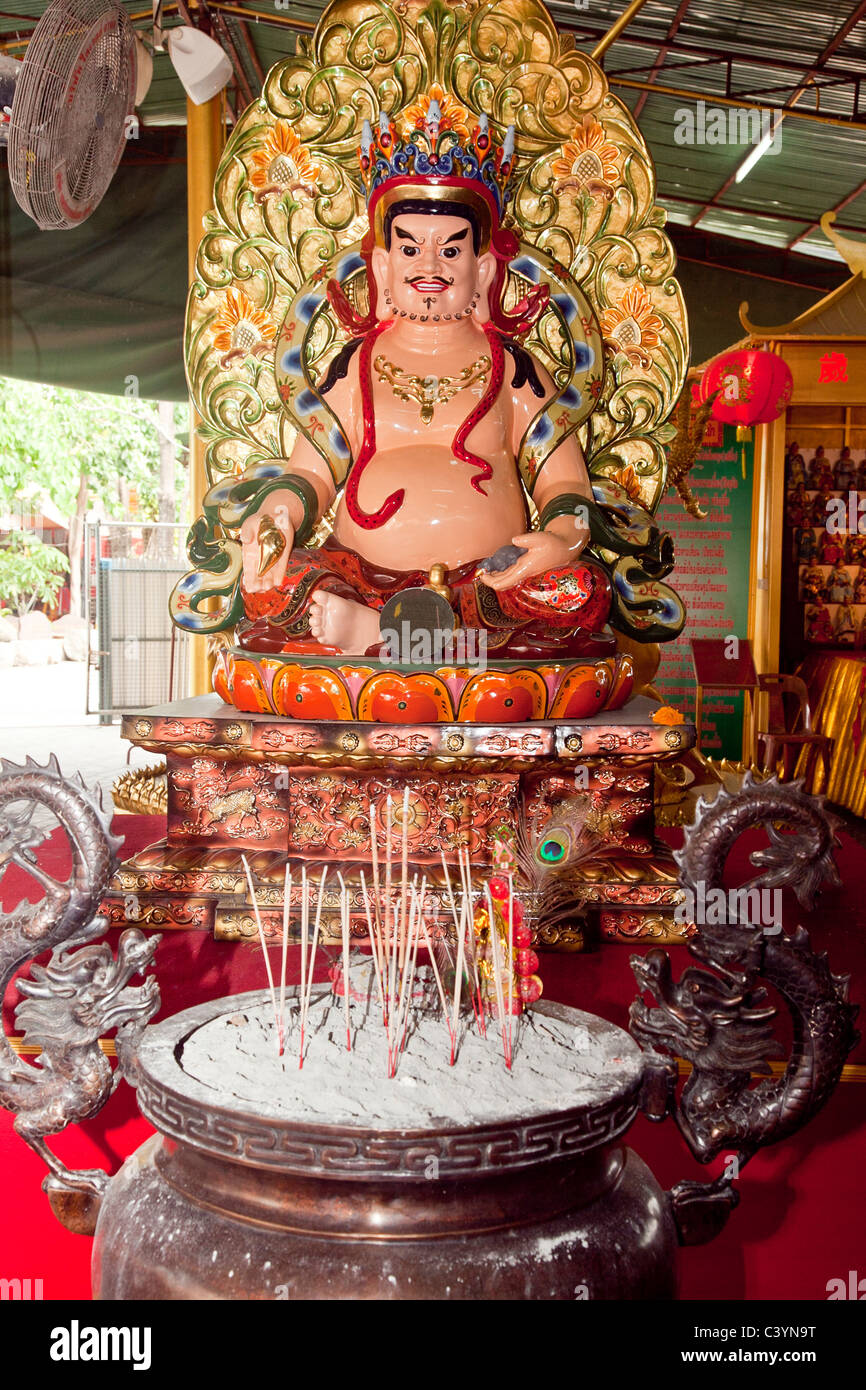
[430, 391]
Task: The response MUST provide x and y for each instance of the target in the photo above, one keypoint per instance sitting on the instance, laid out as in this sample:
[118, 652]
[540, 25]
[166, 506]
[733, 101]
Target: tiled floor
[32, 698]
[37, 695]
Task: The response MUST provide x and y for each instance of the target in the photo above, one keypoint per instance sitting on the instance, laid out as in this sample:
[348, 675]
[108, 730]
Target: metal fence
[129, 573]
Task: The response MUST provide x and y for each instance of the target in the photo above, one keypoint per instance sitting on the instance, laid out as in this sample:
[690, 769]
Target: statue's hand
[544, 551]
[264, 558]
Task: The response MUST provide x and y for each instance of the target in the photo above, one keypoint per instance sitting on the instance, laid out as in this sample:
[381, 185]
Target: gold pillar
[204, 143]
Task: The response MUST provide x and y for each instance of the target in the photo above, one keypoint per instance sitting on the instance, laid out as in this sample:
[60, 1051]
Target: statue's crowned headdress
[438, 161]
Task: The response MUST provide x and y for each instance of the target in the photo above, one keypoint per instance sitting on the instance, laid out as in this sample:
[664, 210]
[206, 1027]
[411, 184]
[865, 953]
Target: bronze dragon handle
[719, 1019]
[80, 994]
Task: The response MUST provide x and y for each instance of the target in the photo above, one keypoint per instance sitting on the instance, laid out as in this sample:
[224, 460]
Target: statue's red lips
[429, 286]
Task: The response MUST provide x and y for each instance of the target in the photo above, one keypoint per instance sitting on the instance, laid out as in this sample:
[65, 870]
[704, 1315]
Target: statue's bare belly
[443, 518]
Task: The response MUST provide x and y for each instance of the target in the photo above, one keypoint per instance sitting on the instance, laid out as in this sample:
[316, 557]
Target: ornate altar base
[271, 788]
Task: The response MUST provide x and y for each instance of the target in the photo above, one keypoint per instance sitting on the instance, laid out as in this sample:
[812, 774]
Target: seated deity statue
[441, 417]
[845, 625]
[832, 549]
[813, 582]
[820, 473]
[806, 545]
[434, 409]
[819, 627]
[845, 472]
[799, 507]
[840, 585]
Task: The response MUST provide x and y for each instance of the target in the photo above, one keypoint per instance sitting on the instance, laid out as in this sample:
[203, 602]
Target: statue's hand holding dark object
[502, 559]
[534, 552]
[719, 1019]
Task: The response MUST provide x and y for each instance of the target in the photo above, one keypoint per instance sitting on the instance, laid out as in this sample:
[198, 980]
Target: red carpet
[800, 1221]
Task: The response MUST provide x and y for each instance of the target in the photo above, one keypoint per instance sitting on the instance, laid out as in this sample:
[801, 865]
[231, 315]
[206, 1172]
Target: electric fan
[68, 125]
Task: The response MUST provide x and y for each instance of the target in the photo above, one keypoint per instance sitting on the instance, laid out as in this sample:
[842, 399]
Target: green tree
[30, 571]
[84, 450]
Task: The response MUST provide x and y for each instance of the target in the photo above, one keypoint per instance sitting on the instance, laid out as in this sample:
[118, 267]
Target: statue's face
[431, 270]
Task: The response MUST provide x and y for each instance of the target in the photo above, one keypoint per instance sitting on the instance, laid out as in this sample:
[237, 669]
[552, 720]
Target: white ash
[556, 1065]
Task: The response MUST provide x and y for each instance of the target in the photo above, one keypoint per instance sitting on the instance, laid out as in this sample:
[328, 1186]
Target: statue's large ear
[486, 270]
[379, 267]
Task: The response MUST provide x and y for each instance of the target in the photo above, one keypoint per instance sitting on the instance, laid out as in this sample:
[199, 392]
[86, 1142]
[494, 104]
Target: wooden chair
[724, 667]
[789, 729]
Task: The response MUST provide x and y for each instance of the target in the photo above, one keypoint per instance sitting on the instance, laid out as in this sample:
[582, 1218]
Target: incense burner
[504, 1194]
[227, 1202]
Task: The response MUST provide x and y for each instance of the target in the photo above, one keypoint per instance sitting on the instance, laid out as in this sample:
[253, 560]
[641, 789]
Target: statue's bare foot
[338, 622]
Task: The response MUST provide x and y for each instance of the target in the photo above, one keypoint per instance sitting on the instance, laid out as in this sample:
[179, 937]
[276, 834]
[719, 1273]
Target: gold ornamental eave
[799, 327]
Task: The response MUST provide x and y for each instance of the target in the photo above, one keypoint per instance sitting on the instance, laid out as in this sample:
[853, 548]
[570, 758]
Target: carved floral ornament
[242, 329]
[288, 203]
[631, 327]
[589, 162]
[283, 164]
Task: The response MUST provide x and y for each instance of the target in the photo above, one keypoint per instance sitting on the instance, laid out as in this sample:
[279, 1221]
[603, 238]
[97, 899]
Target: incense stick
[478, 1005]
[258, 917]
[287, 894]
[312, 960]
[305, 928]
[415, 915]
[451, 899]
[374, 856]
[510, 967]
[344, 933]
[404, 876]
[374, 945]
[389, 810]
[399, 1012]
[497, 971]
[458, 978]
[438, 982]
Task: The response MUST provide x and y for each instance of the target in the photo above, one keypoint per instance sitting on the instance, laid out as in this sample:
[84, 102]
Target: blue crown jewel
[433, 149]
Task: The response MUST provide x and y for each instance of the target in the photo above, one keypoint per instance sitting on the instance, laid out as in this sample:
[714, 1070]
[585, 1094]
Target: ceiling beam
[714, 99]
[802, 87]
[20, 39]
[228, 46]
[251, 50]
[795, 62]
[855, 193]
[662, 55]
[694, 58]
[750, 212]
[753, 259]
[279, 21]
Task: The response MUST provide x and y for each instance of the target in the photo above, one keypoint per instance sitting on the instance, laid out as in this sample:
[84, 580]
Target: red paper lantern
[754, 386]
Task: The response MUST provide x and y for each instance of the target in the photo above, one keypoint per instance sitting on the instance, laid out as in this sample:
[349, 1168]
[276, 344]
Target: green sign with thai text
[712, 576]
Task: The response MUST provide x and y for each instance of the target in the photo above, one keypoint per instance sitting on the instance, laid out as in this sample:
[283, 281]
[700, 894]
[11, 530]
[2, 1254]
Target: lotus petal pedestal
[366, 690]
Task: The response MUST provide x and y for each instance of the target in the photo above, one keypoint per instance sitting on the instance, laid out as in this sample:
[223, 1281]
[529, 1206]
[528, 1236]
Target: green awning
[100, 307]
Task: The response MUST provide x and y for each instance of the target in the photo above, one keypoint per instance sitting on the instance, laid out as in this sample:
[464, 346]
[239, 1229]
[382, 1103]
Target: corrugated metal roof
[701, 50]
